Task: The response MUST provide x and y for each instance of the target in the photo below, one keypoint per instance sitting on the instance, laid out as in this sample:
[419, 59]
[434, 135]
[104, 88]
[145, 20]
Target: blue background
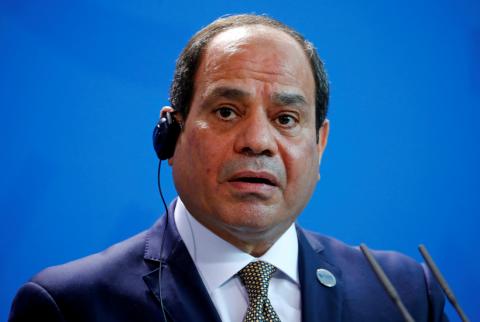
[81, 85]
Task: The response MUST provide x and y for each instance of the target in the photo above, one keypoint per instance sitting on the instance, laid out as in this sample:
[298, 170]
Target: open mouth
[254, 180]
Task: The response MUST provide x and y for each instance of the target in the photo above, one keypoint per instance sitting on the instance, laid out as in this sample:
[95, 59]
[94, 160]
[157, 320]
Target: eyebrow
[289, 99]
[228, 93]
[236, 94]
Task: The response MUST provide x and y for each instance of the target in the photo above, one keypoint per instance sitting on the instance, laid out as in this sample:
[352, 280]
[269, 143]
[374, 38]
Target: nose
[256, 136]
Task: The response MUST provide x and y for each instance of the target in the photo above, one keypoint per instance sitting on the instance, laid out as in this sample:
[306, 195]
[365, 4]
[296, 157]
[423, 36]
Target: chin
[253, 219]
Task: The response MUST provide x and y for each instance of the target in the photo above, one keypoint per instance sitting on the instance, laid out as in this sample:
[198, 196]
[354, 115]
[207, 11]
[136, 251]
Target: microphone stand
[392, 292]
[443, 283]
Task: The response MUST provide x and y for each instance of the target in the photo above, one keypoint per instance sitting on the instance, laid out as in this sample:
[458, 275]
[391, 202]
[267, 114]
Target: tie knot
[256, 277]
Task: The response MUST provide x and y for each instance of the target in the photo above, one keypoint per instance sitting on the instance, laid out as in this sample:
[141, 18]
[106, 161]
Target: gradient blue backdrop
[81, 85]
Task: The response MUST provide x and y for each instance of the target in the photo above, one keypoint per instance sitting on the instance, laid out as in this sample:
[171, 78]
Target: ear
[323, 138]
[166, 109]
[177, 116]
[322, 141]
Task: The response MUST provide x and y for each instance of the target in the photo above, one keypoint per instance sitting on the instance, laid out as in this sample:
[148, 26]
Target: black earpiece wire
[160, 188]
[163, 240]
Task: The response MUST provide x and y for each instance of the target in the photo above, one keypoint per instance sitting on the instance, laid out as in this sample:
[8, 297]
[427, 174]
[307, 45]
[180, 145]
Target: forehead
[256, 52]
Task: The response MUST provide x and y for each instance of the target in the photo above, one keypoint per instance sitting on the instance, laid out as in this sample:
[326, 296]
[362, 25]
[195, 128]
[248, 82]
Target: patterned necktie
[256, 277]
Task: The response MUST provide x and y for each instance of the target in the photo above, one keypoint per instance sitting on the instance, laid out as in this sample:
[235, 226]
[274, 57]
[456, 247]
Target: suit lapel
[182, 293]
[319, 303]
[185, 298]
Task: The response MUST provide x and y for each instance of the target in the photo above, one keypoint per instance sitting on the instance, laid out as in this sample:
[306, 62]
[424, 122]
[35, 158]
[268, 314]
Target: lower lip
[253, 188]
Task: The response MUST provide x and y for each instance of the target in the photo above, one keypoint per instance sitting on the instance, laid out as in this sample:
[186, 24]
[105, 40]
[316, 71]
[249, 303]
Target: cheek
[302, 166]
[204, 151]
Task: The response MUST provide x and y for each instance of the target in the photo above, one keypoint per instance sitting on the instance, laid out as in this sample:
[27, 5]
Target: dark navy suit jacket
[122, 284]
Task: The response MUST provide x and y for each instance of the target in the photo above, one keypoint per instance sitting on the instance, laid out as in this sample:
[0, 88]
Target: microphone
[443, 283]
[392, 292]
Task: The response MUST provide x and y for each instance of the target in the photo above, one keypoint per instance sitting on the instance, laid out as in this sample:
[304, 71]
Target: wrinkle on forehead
[275, 53]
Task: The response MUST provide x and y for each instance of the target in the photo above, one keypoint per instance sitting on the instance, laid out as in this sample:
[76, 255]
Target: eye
[225, 113]
[286, 120]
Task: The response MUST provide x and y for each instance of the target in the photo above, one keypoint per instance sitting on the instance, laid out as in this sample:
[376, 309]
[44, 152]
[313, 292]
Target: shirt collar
[217, 260]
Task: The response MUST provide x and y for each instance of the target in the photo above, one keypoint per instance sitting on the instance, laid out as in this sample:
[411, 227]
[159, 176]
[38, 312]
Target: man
[249, 97]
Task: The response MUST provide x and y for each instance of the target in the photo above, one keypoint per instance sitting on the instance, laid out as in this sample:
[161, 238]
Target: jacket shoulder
[343, 255]
[112, 285]
[70, 291]
[361, 287]
[90, 270]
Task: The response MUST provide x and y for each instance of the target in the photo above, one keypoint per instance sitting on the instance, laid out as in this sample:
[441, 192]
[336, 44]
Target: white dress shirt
[218, 262]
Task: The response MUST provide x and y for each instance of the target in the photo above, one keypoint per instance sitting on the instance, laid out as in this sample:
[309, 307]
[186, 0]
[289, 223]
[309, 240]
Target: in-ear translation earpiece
[165, 135]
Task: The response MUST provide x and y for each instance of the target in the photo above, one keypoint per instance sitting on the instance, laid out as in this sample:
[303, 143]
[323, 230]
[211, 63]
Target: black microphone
[443, 283]
[392, 292]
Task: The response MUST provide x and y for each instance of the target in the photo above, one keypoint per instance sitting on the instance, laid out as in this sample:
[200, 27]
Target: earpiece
[165, 135]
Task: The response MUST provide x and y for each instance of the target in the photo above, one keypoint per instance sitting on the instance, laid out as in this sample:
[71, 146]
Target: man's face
[247, 160]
